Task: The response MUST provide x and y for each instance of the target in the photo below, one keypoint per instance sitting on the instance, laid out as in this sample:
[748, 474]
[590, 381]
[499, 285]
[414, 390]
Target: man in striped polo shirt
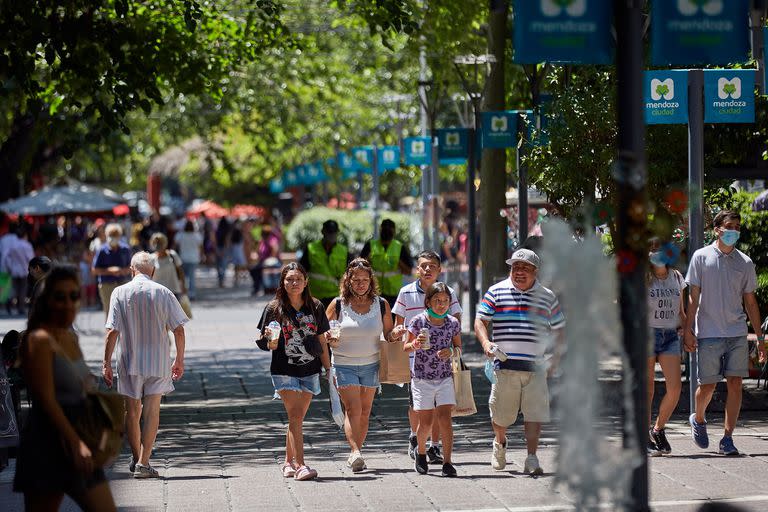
[523, 313]
[141, 312]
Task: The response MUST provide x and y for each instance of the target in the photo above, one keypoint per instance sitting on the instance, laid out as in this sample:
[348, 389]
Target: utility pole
[631, 244]
[493, 175]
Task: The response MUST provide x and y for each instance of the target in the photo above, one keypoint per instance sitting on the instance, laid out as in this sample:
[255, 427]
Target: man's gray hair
[142, 262]
[113, 227]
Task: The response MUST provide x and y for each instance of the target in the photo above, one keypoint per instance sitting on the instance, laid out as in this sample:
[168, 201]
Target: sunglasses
[61, 297]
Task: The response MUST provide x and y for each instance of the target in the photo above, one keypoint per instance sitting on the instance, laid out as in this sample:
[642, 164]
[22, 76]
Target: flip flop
[288, 470]
[305, 473]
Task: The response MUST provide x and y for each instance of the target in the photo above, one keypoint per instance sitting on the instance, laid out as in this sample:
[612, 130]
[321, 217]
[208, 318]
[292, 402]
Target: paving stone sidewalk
[222, 437]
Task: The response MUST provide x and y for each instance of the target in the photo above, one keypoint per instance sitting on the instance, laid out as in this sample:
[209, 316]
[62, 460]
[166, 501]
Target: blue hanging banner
[729, 95]
[348, 166]
[389, 158]
[453, 145]
[315, 173]
[500, 129]
[693, 32]
[568, 31]
[364, 157]
[276, 185]
[301, 175]
[290, 179]
[666, 97]
[418, 150]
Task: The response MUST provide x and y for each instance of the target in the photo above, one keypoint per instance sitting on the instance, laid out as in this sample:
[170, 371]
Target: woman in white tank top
[363, 318]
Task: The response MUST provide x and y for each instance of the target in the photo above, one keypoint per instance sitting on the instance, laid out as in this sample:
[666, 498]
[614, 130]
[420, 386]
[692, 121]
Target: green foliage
[761, 293]
[754, 230]
[355, 227]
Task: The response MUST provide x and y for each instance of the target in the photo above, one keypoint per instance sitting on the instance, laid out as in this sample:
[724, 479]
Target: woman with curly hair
[364, 316]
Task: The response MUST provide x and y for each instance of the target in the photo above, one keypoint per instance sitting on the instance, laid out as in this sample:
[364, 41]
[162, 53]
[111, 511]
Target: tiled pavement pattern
[222, 437]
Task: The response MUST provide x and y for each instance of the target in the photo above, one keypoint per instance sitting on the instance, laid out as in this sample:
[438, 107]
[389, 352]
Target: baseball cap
[330, 226]
[526, 256]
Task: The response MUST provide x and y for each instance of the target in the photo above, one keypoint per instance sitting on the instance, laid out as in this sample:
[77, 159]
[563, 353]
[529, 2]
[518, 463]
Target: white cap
[526, 256]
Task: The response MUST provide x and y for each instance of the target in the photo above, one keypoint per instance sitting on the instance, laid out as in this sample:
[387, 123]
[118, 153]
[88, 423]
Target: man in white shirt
[141, 312]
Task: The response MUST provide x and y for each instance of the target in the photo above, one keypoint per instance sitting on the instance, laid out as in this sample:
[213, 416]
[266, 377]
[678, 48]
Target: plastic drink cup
[273, 330]
[425, 345]
[335, 329]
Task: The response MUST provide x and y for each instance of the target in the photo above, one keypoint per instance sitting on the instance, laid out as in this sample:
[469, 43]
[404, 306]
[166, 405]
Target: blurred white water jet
[592, 461]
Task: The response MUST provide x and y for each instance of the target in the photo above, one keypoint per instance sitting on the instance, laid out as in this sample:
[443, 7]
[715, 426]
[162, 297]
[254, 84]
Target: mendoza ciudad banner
[729, 95]
[693, 32]
[453, 145]
[666, 97]
[572, 31]
[500, 129]
[418, 150]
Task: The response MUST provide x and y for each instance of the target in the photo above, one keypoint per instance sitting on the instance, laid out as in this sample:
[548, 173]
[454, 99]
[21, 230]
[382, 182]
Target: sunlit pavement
[222, 436]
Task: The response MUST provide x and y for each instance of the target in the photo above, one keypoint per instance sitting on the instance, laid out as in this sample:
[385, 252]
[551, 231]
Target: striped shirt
[143, 312]
[519, 320]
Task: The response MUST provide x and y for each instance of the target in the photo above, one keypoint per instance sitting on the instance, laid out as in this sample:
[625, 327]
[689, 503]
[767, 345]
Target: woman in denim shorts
[298, 355]
[363, 317]
[666, 315]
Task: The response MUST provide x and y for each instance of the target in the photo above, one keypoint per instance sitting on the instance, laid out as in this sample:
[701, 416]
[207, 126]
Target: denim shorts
[717, 358]
[310, 383]
[366, 375]
[666, 342]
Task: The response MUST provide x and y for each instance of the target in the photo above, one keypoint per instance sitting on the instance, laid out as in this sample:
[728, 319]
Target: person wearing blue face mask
[722, 283]
[666, 316]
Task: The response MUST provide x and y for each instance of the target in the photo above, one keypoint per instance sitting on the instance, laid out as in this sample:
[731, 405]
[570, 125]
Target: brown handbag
[101, 425]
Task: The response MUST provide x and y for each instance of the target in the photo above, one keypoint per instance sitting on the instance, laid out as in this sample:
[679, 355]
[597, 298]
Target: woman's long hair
[282, 302]
[345, 287]
[40, 314]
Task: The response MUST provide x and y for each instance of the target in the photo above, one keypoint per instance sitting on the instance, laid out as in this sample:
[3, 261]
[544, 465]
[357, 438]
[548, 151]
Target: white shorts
[428, 394]
[138, 386]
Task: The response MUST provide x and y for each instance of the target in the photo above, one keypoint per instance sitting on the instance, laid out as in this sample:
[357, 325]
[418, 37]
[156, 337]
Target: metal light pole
[631, 178]
[475, 92]
[430, 181]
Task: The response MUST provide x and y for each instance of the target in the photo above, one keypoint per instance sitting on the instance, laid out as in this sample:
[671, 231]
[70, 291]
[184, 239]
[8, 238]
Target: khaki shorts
[105, 294]
[138, 386]
[517, 391]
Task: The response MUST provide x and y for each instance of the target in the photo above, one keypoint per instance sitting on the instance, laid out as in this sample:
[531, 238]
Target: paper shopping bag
[462, 385]
[394, 366]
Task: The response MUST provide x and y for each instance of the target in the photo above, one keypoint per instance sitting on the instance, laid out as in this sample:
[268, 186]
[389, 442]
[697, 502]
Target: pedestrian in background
[168, 266]
[141, 313]
[433, 336]
[111, 264]
[409, 304]
[325, 261]
[53, 460]
[390, 260]
[364, 316]
[298, 354]
[267, 257]
[38, 269]
[189, 244]
[722, 282]
[17, 253]
[223, 248]
[523, 313]
[666, 316]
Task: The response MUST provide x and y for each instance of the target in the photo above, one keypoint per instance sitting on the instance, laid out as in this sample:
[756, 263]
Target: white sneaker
[499, 458]
[531, 466]
[356, 462]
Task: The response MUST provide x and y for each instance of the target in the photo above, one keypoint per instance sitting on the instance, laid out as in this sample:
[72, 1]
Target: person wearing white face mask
[666, 316]
[111, 264]
[722, 283]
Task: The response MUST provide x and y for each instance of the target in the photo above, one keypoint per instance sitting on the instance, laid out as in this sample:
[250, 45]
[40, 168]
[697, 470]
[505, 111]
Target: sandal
[288, 470]
[305, 473]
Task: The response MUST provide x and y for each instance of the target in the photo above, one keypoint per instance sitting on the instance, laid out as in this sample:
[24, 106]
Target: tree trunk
[493, 175]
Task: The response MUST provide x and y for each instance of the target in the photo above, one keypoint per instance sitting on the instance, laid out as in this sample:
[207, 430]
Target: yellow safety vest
[325, 269]
[385, 265]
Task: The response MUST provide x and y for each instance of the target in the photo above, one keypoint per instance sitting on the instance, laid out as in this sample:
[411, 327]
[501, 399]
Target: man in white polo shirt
[409, 304]
[521, 310]
[722, 283]
[141, 312]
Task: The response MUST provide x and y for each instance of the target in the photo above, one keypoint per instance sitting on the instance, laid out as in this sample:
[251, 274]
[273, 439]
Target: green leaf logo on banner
[726, 88]
[662, 89]
[418, 147]
[692, 7]
[452, 139]
[499, 124]
[574, 8]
